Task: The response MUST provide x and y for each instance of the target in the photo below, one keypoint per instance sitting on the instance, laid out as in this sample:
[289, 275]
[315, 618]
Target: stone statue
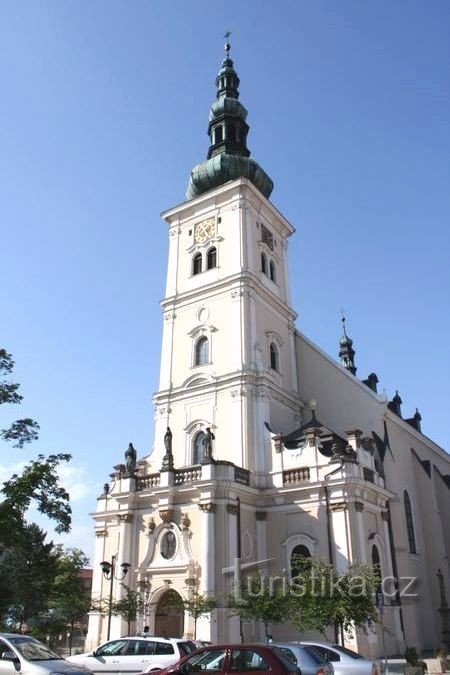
[207, 443]
[167, 464]
[168, 441]
[130, 460]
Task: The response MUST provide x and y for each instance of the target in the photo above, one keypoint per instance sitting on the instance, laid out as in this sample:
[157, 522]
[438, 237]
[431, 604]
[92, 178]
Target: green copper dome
[228, 156]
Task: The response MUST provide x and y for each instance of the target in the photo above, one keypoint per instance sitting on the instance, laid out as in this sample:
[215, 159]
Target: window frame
[201, 358]
[211, 257]
[196, 260]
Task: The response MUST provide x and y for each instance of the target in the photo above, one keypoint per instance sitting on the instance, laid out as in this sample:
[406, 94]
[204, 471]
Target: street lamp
[108, 569]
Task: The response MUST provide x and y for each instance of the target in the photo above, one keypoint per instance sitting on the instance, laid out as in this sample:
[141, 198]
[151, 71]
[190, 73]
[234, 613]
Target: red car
[235, 659]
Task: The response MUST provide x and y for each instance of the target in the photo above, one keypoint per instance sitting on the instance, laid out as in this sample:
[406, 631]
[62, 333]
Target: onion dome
[228, 157]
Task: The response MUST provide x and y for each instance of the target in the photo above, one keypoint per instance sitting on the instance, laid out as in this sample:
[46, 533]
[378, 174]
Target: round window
[168, 545]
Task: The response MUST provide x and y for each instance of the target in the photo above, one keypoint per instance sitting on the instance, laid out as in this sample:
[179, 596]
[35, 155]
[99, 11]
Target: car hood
[61, 666]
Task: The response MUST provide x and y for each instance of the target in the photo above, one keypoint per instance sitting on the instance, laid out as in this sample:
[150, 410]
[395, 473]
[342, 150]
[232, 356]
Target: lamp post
[109, 572]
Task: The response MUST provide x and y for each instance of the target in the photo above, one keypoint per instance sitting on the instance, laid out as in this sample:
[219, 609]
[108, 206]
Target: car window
[113, 648]
[211, 659]
[349, 652]
[314, 653]
[328, 654]
[164, 648]
[4, 648]
[287, 653]
[245, 660]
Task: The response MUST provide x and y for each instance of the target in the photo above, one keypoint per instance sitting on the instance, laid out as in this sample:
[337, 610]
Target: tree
[69, 599]
[319, 596]
[21, 431]
[258, 599]
[33, 562]
[38, 483]
[198, 605]
[129, 607]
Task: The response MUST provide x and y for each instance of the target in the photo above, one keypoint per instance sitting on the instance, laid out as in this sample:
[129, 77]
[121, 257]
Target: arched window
[274, 357]
[263, 263]
[197, 263]
[300, 558]
[197, 448]
[409, 523]
[272, 270]
[201, 352]
[376, 562]
[211, 258]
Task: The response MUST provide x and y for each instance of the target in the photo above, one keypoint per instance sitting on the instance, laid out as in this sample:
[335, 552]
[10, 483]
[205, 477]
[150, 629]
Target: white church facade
[264, 445]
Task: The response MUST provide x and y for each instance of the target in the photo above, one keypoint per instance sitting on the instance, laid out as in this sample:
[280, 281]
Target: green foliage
[198, 605]
[316, 598]
[412, 656]
[38, 482]
[34, 563]
[69, 599]
[27, 562]
[129, 607]
[321, 597]
[257, 599]
[21, 431]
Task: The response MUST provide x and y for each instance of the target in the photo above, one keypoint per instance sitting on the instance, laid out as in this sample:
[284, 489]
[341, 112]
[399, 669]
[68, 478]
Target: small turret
[372, 382]
[346, 351]
[415, 421]
[396, 404]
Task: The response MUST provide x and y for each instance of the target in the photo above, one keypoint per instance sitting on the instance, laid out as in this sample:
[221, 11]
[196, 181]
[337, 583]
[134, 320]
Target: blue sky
[104, 112]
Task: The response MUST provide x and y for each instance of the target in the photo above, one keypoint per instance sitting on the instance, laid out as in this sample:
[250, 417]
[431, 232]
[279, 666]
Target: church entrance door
[169, 619]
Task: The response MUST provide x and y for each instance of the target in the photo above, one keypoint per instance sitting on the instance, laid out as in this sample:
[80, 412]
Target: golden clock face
[204, 230]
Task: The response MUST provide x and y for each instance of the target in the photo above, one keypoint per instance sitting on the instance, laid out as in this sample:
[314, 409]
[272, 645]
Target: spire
[396, 404]
[228, 157]
[346, 351]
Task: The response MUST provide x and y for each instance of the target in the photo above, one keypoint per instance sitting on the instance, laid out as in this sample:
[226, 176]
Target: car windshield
[186, 647]
[348, 652]
[33, 650]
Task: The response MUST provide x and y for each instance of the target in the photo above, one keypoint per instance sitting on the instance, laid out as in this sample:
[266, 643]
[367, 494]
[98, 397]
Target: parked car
[345, 661]
[134, 655]
[234, 658]
[306, 657]
[25, 654]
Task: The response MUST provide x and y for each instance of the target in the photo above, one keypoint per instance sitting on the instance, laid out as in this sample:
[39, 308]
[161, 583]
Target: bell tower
[228, 363]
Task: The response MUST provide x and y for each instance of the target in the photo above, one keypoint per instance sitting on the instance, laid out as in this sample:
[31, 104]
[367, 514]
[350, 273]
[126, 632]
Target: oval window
[168, 545]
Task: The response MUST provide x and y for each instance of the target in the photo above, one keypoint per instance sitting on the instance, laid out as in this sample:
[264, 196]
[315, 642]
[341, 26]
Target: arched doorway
[169, 618]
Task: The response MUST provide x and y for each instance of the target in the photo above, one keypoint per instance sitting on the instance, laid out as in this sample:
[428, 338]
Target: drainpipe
[330, 531]
[238, 528]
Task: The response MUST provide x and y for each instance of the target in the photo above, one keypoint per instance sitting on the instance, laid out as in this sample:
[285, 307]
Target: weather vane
[343, 319]
[227, 44]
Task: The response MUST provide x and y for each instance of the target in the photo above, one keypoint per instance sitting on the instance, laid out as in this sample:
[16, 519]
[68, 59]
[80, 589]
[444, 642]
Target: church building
[265, 447]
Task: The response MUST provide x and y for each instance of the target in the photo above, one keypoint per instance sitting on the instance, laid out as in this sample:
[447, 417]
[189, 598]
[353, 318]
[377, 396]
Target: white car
[345, 661]
[129, 655]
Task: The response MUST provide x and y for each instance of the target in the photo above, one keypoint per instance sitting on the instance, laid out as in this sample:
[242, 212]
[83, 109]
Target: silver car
[25, 654]
[305, 657]
[345, 661]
